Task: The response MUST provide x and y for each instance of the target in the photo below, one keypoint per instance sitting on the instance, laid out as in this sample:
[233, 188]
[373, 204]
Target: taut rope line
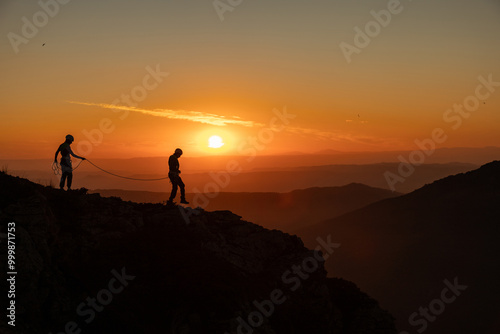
[57, 171]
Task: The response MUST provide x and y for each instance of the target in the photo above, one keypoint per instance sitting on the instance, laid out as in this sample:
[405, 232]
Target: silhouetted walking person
[175, 179]
[67, 169]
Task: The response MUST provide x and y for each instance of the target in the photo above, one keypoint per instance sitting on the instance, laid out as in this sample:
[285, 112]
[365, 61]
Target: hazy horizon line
[332, 152]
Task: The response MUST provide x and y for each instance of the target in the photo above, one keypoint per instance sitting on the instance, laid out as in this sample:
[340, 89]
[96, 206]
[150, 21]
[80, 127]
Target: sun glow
[204, 142]
[215, 142]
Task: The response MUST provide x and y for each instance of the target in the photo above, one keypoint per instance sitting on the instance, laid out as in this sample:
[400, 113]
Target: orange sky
[226, 77]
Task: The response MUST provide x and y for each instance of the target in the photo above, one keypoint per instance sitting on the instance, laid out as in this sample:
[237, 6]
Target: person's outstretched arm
[73, 154]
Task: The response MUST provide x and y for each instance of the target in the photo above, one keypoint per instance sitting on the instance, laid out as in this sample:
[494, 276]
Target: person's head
[178, 152]
[69, 139]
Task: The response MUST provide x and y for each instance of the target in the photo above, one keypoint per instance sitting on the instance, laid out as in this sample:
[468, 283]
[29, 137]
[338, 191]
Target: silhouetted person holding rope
[175, 179]
[67, 169]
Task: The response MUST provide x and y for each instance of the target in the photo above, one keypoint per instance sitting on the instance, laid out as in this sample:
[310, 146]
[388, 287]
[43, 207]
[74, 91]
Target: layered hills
[407, 251]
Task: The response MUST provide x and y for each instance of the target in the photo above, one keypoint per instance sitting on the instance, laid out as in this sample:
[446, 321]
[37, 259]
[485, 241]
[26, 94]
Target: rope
[125, 177]
[57, 169]
[78, 164]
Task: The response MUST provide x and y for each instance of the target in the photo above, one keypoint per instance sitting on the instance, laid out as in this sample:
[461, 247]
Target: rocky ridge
[102, 265]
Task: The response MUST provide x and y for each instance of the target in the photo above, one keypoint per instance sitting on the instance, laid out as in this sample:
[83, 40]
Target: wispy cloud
[219, 120]
[339, 137]
[192, 116]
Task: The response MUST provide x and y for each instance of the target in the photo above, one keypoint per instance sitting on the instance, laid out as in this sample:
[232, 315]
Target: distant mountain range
[402, 251]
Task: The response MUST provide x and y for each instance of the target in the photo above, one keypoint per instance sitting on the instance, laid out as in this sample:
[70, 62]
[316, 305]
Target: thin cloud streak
[218, 120]
[337, 137]
[191, 116]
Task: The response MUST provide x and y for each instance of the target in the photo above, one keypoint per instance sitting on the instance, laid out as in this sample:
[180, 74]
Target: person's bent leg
[173, 193]
[183, 192]
[183, 189]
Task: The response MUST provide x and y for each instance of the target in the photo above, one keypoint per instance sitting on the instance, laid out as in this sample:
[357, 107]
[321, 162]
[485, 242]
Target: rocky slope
[88, 264]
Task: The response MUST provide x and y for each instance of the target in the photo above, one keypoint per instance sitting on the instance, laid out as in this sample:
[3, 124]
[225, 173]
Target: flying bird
[43, 44]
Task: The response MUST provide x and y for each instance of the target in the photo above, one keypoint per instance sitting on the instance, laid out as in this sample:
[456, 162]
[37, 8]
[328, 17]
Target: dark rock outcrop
[102, 265]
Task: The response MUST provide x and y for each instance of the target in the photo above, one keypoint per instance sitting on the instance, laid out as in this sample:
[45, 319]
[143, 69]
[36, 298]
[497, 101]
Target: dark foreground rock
[88, 264]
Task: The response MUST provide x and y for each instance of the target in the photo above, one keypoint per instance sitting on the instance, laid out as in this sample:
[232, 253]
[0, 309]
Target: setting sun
[215, 142]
